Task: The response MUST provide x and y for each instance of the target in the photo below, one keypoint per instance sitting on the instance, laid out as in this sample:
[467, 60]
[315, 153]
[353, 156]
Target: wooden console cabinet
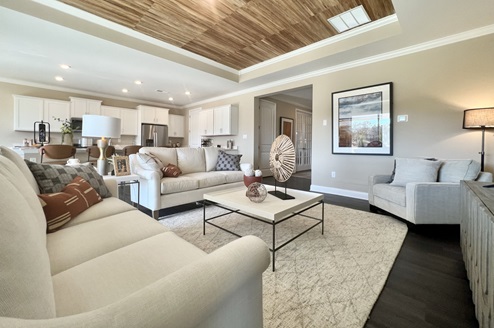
[477, 244]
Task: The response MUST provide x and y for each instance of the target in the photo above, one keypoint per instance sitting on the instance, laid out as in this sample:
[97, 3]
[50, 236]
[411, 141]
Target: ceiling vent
[350, 19]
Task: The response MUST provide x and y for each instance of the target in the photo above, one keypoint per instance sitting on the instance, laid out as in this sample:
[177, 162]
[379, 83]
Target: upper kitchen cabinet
[220, 121]
[128, 118]
[28, 110]
[82, 106]
[153, 115]
[176, 128]
[225, 120]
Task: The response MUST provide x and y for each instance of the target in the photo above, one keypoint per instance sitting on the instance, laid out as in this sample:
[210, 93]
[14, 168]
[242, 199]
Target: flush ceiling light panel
[349, 19]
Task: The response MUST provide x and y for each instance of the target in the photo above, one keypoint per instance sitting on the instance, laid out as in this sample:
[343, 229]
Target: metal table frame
[273, 223]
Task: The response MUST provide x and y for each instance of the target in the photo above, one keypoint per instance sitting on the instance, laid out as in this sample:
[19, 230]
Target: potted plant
[67, 131]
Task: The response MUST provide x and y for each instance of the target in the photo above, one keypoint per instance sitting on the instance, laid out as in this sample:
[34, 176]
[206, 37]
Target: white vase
[67, 139]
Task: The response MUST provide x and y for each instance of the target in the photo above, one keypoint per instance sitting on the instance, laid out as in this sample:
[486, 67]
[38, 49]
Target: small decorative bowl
[248, 180]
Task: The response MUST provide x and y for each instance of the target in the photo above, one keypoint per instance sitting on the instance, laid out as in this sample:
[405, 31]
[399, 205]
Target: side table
[125, 180]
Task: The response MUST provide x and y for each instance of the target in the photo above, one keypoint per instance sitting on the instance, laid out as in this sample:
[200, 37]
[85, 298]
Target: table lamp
[103, 127]
[479, 118]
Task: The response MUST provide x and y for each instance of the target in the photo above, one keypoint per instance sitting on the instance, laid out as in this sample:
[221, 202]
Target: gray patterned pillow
[228, 162]
[53, 178]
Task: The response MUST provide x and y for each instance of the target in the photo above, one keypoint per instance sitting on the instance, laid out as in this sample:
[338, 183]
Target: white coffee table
[272, 210]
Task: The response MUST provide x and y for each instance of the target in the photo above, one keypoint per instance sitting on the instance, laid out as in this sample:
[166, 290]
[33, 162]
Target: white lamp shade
[478, 118]
[100, 126]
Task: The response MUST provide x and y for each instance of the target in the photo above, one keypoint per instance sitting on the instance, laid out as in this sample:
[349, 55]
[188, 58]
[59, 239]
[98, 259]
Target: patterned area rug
[330, 280]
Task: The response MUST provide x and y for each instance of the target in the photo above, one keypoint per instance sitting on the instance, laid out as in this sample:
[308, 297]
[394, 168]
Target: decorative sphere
[256, 192]
[258, 173]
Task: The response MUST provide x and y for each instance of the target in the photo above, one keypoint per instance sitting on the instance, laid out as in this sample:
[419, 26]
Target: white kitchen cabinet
[207, 122]
[28, 110]
[129, 121]
[176, 128]
[153, 115]
[82, 106]
[220, 121]
[225, 120]
[128, 118]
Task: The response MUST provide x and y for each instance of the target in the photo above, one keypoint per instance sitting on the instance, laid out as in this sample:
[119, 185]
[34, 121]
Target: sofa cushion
[61, 207]
[72, 246]
[174, 185]
[19, 162]
[171, 171]
[415, 170]
[166, 155]
[232, 176]
[394, 194]
[454, 170]
[115, 275]
[208, 179]
[53, 178]
[228, 162]
[191, 160]
[109, 206]
[25, 281]
[211, 154]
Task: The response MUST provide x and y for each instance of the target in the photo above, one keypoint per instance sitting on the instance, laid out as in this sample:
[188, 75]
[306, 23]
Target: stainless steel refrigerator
[154, 135]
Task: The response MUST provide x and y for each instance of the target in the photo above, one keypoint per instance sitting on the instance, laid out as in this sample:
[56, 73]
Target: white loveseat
[113, 266]
[424, 191]
[199, 176]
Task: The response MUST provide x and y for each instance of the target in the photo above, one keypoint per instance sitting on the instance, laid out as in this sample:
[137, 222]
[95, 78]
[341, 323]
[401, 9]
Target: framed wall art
[363, 121]
[121, 165]
[286, 127]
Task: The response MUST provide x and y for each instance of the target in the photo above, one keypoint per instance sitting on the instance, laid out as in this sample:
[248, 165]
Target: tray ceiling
[235, 33]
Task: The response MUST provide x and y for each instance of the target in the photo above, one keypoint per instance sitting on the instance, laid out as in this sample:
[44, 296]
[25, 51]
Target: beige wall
[9, 137]
[432, 87]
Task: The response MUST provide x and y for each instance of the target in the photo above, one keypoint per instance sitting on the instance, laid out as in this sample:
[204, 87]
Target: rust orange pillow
[171, 171]
[61, 207]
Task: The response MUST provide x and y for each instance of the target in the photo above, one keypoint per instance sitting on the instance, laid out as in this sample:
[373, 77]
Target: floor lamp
[101, 127]
[479, 118]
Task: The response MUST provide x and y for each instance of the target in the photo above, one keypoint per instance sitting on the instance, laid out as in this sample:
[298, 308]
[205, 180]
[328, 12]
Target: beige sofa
[113, 266]
[424, 191]
[198, 177]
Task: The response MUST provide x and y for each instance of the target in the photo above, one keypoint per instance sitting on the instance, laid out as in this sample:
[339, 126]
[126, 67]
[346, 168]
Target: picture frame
[363, 120]
[286, 127]
[121, 165]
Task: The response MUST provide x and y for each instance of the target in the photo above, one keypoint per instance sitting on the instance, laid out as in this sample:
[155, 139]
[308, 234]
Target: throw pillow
[228, 162]
[171, 171]
[415, 170]
[61, 207]
[53, 178]
[150, 162]
[454, 170]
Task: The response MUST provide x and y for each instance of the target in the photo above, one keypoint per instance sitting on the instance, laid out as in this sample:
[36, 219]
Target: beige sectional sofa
[424, 191]
[113, 266]
[199, 176]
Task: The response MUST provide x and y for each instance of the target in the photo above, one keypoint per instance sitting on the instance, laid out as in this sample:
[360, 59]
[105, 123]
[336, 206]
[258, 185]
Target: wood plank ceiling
[236, 33]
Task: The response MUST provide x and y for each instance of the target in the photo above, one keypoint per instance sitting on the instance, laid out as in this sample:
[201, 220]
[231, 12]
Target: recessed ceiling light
[125, 90]
[159, 90]
[65, 66]
[138, 82]
[58, 78]
[171, 98]
[187, 93]
[349, 19]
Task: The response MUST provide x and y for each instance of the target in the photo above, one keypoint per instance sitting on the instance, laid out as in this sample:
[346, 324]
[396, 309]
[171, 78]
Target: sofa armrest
[222, 289]
[484, 177]
[433, 202]
[373, 180]
[150, 185]
[112, 187]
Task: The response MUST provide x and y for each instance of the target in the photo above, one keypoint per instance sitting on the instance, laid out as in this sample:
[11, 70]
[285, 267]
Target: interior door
[303, 142]
[267, 133]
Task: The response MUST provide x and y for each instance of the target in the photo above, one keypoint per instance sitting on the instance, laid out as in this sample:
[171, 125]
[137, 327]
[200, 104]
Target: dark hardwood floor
[427, 286]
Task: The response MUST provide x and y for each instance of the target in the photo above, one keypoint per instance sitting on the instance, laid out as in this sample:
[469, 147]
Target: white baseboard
[340, 192]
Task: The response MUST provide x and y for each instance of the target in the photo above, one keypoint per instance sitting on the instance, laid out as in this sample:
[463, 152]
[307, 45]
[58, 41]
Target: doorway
[267, 133]
[303, 140]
